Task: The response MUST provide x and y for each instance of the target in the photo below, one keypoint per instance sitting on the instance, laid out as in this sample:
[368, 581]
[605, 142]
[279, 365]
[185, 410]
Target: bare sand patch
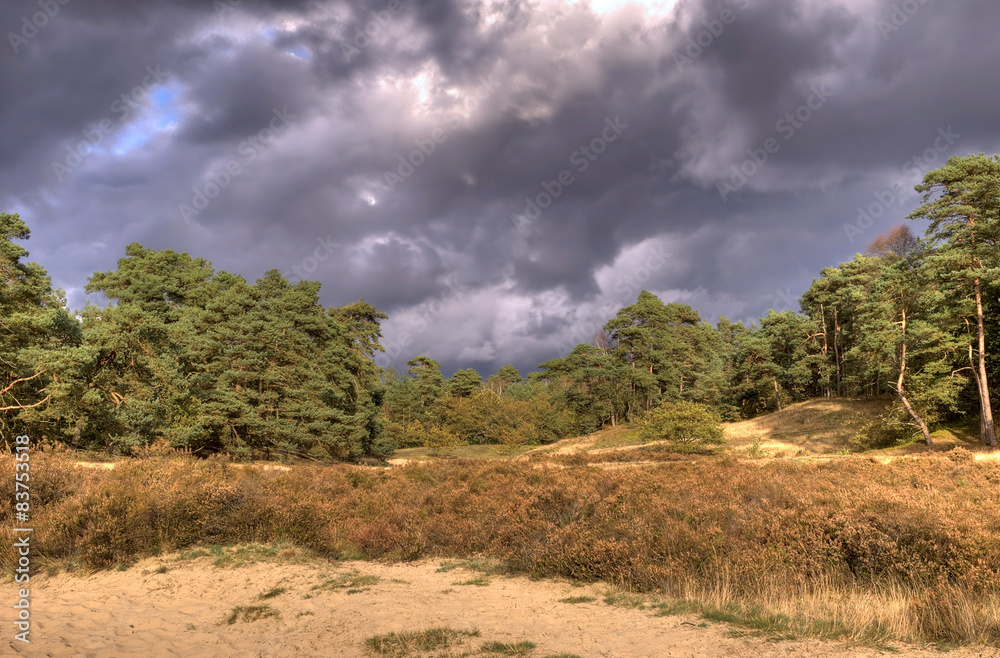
[329, 609]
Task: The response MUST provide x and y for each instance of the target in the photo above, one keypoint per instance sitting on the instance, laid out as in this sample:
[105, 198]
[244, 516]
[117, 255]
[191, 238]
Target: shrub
[437, 439]
[959, 455]
[488, 418]
[896, 547]
[688, 425]
[885, 431]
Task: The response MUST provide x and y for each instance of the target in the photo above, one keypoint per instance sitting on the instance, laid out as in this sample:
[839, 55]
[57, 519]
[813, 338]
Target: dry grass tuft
[408, 643]
[252, 613]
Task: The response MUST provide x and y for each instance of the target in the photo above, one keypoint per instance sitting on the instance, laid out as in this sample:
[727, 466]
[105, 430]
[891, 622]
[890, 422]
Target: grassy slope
[806, 429]
[819, 426]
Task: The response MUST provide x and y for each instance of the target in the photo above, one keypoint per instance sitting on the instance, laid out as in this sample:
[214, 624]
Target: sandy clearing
[181, 613]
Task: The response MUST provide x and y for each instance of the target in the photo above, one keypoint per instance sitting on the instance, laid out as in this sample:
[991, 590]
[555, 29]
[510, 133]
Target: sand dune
[183, 612]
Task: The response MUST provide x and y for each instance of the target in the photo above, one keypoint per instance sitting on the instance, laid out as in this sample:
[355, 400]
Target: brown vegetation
[908, 551]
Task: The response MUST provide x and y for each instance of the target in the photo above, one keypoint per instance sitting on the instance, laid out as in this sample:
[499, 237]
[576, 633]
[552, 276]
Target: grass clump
[672, 608]
[573, 600]
[505, 649]
[353, 582]
[408, 643]
[250, 613]
[477, 582]
[487, 567]
[272, 593]
[626, 600]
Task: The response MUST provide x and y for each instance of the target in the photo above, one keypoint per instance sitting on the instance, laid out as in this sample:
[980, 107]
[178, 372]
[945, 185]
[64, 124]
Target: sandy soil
[183, 613]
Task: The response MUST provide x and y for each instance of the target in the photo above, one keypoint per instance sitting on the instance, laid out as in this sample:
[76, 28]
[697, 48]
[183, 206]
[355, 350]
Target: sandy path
[181, 613]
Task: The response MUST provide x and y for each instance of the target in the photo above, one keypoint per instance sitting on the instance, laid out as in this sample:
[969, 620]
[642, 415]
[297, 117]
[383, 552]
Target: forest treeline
[207, 361]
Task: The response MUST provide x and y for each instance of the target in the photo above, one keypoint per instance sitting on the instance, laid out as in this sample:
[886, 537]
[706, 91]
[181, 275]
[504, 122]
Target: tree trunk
[988, 430]
[777, 394]
[826, 348]
[902, 395]
[836, 347]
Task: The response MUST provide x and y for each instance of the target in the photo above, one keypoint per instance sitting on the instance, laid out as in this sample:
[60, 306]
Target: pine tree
[962, 202]
[34, 326]
[464, 383]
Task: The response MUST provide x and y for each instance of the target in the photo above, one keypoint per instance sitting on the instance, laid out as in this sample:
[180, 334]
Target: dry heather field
[780, 544]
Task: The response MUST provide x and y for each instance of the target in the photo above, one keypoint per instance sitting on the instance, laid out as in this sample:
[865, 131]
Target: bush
[885, 431]
[437, 439]
[685, 424]
[488, 418]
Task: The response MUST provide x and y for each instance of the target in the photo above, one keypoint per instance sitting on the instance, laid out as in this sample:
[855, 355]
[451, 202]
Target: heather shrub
[959, 454]
[687, 425]
[921, 527]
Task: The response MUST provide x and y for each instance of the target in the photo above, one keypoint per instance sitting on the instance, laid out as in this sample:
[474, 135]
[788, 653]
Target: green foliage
[464, 383]
[439, 440]
[774, 364]
[212, 363]
[35, 331]
[962, 202]
[668, 354]
[684, 424]
[206, 361]
[885, 431]
[506, 377]
[489, 418]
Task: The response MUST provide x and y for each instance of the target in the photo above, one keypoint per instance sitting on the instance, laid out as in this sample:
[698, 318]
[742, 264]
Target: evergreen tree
[464, 383]
[426, 373]
[962, 202]
[34, 328]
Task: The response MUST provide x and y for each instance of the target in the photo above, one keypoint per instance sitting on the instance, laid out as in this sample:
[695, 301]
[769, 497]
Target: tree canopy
[210, 362]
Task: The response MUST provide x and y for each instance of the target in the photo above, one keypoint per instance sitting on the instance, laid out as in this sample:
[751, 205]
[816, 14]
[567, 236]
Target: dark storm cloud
[496, 99]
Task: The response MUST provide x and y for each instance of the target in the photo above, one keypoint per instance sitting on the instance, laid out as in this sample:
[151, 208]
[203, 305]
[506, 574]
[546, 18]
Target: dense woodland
[209, 362]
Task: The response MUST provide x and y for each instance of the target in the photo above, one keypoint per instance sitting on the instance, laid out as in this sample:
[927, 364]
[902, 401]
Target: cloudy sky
[499, 176]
